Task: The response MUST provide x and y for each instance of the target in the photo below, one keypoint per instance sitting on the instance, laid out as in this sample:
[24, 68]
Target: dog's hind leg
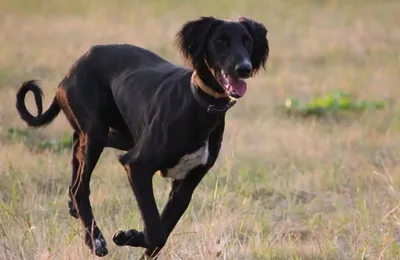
[89, 140]
[75, 166]
[87, 150]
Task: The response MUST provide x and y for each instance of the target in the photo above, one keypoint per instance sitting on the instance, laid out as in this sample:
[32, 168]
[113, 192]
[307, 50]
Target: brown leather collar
[195, 83]
[200, 84]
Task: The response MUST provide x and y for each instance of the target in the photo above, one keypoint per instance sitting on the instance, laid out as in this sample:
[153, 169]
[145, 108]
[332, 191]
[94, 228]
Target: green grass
[332, 103]
[283, 187]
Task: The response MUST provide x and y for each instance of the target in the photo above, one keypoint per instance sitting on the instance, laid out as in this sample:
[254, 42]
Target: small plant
[330, 103]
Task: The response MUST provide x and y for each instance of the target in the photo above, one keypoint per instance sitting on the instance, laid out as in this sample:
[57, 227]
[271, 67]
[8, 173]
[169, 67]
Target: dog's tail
[40, 119]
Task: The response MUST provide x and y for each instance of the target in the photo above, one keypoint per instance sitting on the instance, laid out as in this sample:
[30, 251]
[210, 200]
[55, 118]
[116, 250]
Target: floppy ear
[191, 39]
[260, 51]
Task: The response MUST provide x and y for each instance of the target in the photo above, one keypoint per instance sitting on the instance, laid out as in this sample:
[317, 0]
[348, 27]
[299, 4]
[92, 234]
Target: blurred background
[309, 167]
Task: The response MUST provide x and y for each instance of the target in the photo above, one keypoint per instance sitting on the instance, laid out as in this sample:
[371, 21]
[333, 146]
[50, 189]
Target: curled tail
[40, 119]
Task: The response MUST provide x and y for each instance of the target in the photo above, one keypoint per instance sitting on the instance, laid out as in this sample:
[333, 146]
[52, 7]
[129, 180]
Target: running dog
[167, 118]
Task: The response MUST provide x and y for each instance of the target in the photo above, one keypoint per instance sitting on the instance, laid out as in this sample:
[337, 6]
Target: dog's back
[130, 82]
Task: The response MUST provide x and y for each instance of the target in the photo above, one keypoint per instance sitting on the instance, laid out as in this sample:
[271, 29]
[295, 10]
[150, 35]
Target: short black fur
[131, 99]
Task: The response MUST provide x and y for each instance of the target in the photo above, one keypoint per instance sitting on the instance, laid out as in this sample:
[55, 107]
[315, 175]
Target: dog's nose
[243, 70]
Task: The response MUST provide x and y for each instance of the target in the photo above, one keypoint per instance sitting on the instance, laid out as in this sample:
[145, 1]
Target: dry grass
[282, 188]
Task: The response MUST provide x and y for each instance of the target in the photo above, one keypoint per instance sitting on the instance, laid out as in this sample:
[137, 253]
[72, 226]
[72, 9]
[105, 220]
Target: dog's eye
[221, 41]
[248, 43]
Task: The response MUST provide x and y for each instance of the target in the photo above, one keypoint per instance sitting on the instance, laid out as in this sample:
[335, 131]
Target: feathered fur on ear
[260, 51]
[191, 38]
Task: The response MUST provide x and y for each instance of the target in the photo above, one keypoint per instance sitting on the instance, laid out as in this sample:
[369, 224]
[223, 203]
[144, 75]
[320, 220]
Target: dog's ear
[260, 51]
[191, 39]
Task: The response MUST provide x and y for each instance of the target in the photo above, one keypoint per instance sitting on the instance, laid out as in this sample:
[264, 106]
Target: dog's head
[224, 52]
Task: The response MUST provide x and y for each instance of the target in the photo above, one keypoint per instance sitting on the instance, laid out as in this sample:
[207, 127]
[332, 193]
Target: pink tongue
[239, 86]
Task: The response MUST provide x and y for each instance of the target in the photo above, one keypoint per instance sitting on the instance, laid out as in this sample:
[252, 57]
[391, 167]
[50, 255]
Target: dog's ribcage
[189, 162]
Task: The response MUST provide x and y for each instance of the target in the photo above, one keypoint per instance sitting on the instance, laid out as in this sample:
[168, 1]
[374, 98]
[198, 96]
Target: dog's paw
[100, 247]
[72, 210]
[96, 243]
[129, 238]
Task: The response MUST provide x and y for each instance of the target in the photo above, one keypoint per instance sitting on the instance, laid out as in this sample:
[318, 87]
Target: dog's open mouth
[234, 87]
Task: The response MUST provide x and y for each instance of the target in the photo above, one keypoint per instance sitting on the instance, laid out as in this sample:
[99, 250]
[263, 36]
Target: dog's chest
[188, 162]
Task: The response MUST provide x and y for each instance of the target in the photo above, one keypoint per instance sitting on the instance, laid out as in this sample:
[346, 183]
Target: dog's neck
[206, 89]
[214, 102]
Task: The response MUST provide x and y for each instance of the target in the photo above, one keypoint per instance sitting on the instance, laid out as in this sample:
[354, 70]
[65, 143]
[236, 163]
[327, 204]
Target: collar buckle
[212, 109]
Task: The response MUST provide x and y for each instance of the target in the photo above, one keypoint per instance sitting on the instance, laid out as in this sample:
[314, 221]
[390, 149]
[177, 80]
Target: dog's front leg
[153, 236]
[180, 197]
[178, 201]
[158, 229]
[182, 190]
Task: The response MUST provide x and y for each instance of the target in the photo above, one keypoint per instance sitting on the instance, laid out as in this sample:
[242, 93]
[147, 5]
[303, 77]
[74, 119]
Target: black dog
[170, 119]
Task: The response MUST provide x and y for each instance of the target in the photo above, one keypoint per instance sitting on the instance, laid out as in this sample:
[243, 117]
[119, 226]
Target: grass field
[283, 188]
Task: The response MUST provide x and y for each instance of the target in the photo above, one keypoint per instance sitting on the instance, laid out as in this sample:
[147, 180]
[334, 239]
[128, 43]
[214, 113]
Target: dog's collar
[200, 84]
[195, 83]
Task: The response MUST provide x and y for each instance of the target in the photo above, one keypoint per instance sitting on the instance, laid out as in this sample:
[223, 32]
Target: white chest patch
[188, 162]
